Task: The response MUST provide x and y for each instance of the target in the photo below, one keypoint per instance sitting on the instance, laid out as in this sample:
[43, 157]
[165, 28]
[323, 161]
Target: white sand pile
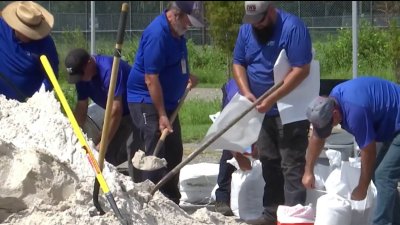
[45, 178]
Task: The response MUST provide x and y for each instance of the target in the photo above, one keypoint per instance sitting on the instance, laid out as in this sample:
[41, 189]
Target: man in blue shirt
[156, 83]
[369, 109]
[24, 37]
[282, 147]
[91, 76]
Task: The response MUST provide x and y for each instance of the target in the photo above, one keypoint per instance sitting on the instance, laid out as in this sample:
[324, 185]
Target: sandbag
[342, 181]
[333, 210]
[196, 182]
[247, 190]
[298, 214]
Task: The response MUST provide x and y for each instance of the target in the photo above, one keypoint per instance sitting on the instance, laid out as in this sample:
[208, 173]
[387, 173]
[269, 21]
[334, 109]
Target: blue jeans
[387, 174]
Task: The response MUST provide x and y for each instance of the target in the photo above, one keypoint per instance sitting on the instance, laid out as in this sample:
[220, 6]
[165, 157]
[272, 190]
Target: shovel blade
[149, 163]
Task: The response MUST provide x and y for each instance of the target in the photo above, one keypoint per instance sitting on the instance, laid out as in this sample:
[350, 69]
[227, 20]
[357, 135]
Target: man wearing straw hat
[24, 36]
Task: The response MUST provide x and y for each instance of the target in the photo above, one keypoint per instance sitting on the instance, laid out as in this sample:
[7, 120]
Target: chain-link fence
[322, 17]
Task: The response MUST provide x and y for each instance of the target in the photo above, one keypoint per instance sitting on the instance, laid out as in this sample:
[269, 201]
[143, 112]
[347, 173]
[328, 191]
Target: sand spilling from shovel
[150, 163]
[47, 180]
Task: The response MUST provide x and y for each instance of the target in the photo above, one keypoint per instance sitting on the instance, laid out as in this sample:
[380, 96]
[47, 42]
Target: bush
[378, 52]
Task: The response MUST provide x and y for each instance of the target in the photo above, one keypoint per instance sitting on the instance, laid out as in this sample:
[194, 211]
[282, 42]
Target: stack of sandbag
[196, 182]
[336, 207]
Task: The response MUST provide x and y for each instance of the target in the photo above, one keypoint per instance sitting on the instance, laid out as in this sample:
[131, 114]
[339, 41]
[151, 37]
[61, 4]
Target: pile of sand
[47, 180]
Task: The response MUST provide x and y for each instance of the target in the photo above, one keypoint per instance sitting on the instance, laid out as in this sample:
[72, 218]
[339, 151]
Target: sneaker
[262, 220]
[223, 208]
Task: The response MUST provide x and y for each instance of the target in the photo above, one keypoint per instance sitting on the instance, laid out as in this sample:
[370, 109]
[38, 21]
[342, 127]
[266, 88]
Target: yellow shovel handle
[75, 126]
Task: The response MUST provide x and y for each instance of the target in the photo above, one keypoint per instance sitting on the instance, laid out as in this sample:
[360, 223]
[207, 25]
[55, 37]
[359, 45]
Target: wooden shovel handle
[171, 121]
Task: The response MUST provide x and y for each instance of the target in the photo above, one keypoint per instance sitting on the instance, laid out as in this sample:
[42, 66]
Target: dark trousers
[282, 150]
[223, 192]
[145, 120]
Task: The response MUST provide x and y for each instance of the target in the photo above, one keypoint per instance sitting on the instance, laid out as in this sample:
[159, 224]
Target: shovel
[150, 163]
[175, 170]
[110, 99]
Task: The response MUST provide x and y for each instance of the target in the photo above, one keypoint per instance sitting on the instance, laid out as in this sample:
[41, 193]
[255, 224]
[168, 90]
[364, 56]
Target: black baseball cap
[75, 63]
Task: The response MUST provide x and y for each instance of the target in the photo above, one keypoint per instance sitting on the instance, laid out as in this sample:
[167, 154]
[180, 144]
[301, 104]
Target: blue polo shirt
[97, 88]
[20, 66]
[289, 33]
[159, 53]
[230, 89]
[370, 108]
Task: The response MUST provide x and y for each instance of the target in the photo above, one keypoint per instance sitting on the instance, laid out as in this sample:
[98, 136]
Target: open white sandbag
[247, 190]
[332, 209]
[298, 214]
[342, 181]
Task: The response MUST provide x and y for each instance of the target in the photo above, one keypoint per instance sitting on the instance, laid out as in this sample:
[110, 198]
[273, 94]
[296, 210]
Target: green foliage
[394, 49]
[224, 19]
[207, 62]
[378, 52]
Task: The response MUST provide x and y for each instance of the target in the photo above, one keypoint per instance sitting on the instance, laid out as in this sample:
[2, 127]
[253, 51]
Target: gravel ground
[205, 93]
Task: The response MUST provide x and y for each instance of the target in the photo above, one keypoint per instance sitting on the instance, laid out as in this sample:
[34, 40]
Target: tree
[224, 19]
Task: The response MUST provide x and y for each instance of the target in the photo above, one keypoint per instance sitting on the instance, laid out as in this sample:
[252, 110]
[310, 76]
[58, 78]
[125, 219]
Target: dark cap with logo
[75, 63]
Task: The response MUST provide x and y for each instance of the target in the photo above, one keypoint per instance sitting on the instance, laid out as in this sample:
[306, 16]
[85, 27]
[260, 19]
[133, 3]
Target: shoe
[223, 208]
[262, 220]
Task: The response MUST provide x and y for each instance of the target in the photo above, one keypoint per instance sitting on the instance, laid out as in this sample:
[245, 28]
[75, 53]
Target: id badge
[183, 65]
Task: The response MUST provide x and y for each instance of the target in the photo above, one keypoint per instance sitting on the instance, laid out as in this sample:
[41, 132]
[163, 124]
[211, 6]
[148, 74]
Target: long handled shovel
[175, 170]
[150, 163]
[110, 100]
[78, 133]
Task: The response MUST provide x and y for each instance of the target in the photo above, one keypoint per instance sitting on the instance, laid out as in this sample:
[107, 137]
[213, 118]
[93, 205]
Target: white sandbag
[321, 173]
[247, 190]
[342, 181]
[196, 182]
[297, 214]
[333, 210]
[243, 133]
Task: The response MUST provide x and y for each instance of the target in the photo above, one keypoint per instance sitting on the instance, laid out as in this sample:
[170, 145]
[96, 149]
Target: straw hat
[29, 18]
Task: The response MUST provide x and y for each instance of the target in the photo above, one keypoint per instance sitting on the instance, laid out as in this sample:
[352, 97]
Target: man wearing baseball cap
[369, 109]
[25, 28]
[91, 75]
[282, 147]
[156, 83]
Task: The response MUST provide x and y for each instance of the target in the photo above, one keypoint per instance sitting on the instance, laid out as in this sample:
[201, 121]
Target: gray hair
[174, 8]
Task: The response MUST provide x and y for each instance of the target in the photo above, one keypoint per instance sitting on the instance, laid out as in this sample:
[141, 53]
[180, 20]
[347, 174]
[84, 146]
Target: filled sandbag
[247, 189]
[333, 210]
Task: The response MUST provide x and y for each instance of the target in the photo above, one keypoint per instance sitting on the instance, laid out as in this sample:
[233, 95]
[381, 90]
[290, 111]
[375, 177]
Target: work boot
[262, 220]
[223, 208]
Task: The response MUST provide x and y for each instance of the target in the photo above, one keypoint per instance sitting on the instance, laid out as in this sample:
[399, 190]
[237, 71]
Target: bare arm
[193, 81]
[368, 159]
[116, 115]
[315, 146]
[80, 112]
[155, 89]
[240, 76]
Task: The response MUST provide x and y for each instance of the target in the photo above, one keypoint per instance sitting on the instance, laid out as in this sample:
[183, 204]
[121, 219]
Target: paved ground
[205, 93]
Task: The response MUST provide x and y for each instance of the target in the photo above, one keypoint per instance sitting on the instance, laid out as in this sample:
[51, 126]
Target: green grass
[194, 118]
